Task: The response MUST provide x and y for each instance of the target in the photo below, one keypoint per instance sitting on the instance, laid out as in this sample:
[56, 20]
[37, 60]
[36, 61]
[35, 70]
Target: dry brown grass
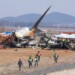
[10, 55]
[9, 58]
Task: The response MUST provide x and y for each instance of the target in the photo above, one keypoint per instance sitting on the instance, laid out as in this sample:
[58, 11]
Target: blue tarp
[7, 33]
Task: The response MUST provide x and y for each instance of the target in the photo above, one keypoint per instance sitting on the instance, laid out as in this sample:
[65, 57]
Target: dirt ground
[9, 58]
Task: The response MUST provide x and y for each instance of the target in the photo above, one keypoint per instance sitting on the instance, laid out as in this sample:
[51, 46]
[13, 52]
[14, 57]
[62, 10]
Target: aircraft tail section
[39, 20]
[27, 32]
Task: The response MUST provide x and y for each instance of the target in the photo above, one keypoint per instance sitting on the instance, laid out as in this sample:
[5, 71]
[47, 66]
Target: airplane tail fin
[39, 20]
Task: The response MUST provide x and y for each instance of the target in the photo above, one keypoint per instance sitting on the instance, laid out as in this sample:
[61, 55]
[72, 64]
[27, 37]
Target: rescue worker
[38, 55]
[20, 63]
[36, 61]
[55, 58]
[30, 61]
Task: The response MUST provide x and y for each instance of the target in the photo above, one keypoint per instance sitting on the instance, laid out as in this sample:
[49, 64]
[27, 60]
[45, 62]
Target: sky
[14, 8]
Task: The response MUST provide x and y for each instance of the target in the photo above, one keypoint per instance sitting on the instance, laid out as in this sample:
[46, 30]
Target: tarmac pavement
[51, 69]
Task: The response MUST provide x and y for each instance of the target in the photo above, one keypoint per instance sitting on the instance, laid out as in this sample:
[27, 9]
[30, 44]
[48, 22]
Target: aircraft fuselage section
[24, 32]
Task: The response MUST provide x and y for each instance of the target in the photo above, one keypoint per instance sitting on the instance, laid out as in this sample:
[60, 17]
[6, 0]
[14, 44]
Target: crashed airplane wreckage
[5, 39]
[21, 37]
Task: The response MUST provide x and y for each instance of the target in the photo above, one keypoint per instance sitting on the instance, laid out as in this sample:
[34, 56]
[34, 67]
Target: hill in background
[53, 19]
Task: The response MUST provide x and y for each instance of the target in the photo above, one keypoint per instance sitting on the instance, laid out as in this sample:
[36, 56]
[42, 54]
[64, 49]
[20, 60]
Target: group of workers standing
[30, 61]
[35, 60]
